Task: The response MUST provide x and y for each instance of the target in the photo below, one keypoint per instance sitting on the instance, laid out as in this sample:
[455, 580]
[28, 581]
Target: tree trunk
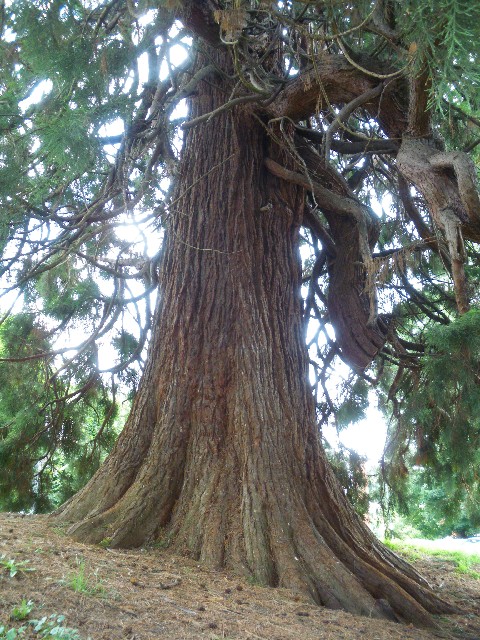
[220, 457]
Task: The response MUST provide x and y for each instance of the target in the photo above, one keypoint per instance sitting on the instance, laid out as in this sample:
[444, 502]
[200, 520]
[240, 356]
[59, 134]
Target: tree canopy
[383, 97]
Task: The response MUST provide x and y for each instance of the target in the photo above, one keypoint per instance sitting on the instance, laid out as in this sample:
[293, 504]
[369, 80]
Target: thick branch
[335, 81]
[464, 170]
[312, 221]
[419, 113]
[422, 228]
[352, 296]
[326, 199]
[447, 182]
[198, 18]
[224, 107]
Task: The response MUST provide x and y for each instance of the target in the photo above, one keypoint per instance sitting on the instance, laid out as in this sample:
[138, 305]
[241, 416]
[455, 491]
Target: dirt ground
[150, 593]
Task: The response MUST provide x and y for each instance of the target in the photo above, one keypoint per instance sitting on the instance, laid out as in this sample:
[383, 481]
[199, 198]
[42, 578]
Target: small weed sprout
[105, 543]
[14, 567]
[78, 581]
[21, 611]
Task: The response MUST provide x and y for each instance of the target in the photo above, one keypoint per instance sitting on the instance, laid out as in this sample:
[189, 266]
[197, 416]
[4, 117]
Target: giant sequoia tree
[300, 117]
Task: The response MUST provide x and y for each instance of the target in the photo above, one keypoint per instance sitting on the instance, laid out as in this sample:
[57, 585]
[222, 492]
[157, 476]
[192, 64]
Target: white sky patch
[147, 18]
[383, 207]
[175, 60]
[143, 70]
[180, 111]
[366, 437]
[9, 35]
[179, 53]
[41, 90]
[113, 128]
[133, 234]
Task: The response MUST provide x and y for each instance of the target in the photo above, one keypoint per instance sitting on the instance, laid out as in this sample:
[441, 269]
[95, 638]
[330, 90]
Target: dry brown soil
[149, 593]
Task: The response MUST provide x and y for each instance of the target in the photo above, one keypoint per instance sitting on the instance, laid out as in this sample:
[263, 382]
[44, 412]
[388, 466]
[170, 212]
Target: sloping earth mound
[149, 593]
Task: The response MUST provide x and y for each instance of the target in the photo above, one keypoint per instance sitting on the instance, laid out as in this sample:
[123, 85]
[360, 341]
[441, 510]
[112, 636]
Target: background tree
[300, 117]
[50, 445]
[430, 466]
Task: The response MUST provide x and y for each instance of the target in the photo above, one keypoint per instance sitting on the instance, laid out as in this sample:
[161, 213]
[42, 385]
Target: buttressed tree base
[221, 456]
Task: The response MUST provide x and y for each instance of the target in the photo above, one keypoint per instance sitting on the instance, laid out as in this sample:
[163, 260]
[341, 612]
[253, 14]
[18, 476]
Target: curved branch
[352, 295]
[224, 107]
[334, 75]
[422, 228]
[312, 221]
[345, 113]
[325, 198]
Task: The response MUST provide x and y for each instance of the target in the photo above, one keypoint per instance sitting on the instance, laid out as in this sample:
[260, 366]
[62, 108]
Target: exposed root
[273, 538]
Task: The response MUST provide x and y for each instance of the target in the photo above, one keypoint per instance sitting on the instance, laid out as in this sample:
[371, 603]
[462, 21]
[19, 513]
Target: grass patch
[80, 582]
[463, 561]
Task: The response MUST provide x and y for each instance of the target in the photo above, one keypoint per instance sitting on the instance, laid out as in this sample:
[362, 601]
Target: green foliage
[46, 627]
[348, 466]
[14, 567]
[10, 634]
[464, 562]
[125, 343]
[53, 627]
[49, 445]
[22, 611]
[445, 36]
[437, 506]
[63, 82]
[353, 408]
[72, 70]
[65, 294]
[105, 543]
[80, 582]
[440, 36]
[436, 430]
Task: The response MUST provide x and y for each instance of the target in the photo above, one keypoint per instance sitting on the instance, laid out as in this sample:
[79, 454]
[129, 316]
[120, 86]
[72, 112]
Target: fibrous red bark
[221, 457]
